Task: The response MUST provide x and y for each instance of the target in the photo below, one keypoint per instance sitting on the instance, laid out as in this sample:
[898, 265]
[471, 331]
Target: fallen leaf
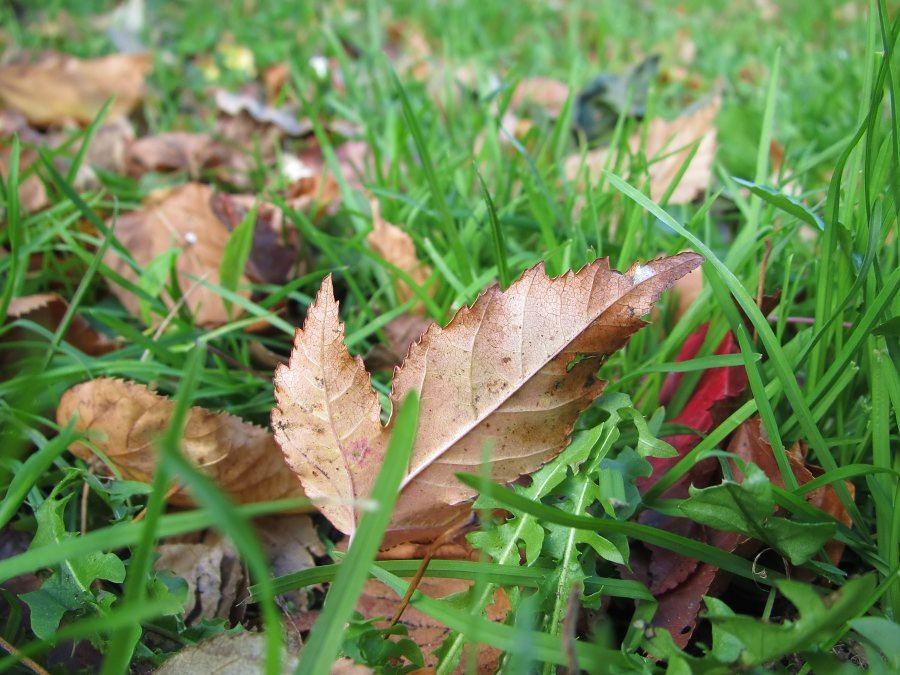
[609, 96]
[679, 583]
[214, 573]
[241, 458]
[751, 444]
[173, 151]
[186, 220]
[549, 94]
[712, 400]
[397, 247]
[48, 310]
[283, 118]
[291, 543]
[377, 600]
[512, 373]
[59, 88]
[401, 333]
[274, 251]
[225, 654]
[668, 146]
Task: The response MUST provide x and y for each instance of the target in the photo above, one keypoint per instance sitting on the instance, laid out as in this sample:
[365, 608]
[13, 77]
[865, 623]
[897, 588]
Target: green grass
[820, 78]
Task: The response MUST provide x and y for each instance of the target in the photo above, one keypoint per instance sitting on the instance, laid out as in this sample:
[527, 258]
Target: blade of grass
[496, 235]
[463, 264]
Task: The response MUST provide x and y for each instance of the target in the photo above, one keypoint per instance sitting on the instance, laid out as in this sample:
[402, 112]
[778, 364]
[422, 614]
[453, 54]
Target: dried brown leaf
[225, 654]
[196, 222]
[48, 310]
[397, 247]
[216, 580]
[182, 219]
[401, 333]
[512, 372]
[241, 458]
[60, 88]
[173, 151]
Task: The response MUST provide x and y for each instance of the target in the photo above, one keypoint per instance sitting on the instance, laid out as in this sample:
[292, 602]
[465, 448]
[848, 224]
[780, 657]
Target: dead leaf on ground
[241, 458]
[377, 600]
[215, 576]
[182, 220]
[285, 119]
[751, 444]
[225, 654]
[175, 151]
[679, 583]
[197, 222]
[668, 146]
[513, 371]
[548, 94]
[59, 89]
[396, 246]
[291, 543]
[48, 310]
[400, 333]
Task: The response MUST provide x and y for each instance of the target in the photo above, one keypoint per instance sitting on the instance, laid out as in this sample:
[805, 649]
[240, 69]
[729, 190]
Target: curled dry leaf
[667, 148]
[48, 310]
[241, 458]
[60, 88]
[398, 248]
[283, 118]
[510, 373]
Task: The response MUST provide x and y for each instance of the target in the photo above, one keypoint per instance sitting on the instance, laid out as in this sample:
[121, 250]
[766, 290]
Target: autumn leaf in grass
[194, 224]
[125, 419]
[397, 248]
[506, 379]
[59, 88]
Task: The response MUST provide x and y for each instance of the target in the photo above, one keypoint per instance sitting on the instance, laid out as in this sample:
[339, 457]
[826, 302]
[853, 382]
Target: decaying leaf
[225, 654]
[60, 88]
[284, 119]
[175, 151]
[397, 247]
[668, 146]
[508, 376]
[401, 333]
[241, 458]
[216, 580]
[182, 220]
[751, 444]
[679, 583]
[192, 221]
[291, 543]
[48, 310]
